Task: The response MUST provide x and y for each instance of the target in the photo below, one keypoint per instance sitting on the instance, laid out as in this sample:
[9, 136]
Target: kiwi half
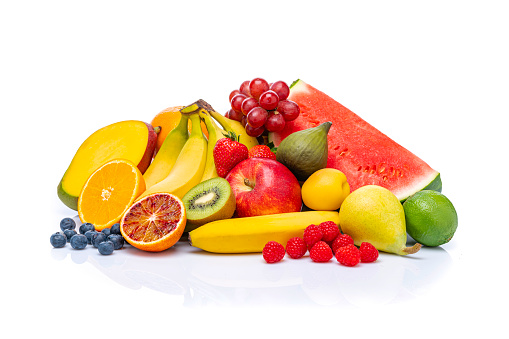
[210, 200]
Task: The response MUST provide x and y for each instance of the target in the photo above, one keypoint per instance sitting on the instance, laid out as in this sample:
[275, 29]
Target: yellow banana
[250, 234]
[235, 126]
[215, 133]
[167, 155]
[188, 169]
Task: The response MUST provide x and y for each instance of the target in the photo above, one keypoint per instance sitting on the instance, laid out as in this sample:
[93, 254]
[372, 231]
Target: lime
[430, 218]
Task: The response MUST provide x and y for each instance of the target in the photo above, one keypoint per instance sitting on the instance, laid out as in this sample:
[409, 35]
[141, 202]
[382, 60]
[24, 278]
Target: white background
[433, 75]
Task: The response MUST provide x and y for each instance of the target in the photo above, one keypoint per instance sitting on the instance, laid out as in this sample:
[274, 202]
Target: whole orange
[167, 120]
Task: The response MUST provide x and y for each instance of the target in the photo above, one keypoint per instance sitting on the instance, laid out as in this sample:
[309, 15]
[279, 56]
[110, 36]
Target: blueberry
[79, 241]
[90, 235]
[106, 231]
[69, 234]
[115, 228]
[98, 238]
[58, 239]
[67, 224]
[105, 247]
[86, 227]
[117, 240]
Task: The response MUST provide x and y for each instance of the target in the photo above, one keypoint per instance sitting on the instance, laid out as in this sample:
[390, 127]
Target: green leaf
[272, 147]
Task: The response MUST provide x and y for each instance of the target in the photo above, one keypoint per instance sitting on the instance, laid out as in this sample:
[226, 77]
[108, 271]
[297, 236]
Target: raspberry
[320, 252]
[340, 241]
[312, 234]
[348, 255]
[368, 252]
[273, 252]
[296, 248]
[330, 230]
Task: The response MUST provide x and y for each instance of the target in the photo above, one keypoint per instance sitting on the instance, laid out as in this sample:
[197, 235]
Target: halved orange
[154, 223]
[109, 192]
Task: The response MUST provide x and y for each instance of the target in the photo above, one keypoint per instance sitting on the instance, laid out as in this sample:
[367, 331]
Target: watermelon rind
[435, 185]
[293, 83]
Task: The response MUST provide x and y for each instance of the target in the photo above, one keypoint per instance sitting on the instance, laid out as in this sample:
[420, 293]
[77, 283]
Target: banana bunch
[250, 234]
[183, 161]
[163, 162]
[188, 166]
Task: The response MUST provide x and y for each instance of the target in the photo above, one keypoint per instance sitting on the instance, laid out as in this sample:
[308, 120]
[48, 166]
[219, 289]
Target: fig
[305, 152]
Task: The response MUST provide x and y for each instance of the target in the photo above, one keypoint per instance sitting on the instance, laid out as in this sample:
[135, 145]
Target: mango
[131, 139]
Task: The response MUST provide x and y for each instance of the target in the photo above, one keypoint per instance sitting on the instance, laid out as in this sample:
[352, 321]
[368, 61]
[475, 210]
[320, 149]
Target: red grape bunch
[261, 106]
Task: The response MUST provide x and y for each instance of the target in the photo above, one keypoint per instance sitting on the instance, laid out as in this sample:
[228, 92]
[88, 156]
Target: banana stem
[196, 106]
[195, 125]
[191, 109]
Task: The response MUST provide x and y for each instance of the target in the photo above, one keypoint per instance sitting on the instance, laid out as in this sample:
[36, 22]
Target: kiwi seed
[208, 201]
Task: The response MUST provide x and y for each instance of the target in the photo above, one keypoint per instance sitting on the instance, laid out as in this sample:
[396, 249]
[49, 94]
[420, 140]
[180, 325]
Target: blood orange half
[154, 223]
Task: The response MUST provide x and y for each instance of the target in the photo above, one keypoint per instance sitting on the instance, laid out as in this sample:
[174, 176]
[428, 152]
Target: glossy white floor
[431, 76]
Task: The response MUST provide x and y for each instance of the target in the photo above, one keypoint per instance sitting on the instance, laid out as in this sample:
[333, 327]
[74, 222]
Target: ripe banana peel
[235, 126]
[228, 124]
[250, 234]
[189, 166]
[215, 133]
[167, 155]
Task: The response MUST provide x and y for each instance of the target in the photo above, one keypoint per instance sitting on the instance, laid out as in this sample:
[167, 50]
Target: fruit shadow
[199, 252]
[418, 256]
[201, 278]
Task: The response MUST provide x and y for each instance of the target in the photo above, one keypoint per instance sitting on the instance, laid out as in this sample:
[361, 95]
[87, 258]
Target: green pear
[374, 214]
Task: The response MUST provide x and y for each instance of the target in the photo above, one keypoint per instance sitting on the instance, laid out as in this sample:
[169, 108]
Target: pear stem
[414, 249]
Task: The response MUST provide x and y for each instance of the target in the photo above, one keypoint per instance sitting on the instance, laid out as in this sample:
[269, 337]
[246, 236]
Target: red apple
[264, 186]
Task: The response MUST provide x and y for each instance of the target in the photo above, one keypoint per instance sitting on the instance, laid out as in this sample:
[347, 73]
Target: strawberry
[262, 151]
[228, 152]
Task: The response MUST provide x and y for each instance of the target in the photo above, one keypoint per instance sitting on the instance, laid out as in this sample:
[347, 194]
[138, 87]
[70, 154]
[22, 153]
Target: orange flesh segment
[109, 192]
[152, 219]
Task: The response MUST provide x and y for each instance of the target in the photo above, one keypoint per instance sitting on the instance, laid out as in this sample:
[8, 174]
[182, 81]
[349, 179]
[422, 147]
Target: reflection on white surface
[203, 278]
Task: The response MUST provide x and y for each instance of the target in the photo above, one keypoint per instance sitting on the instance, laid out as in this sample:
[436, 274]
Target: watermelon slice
[364, 154]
